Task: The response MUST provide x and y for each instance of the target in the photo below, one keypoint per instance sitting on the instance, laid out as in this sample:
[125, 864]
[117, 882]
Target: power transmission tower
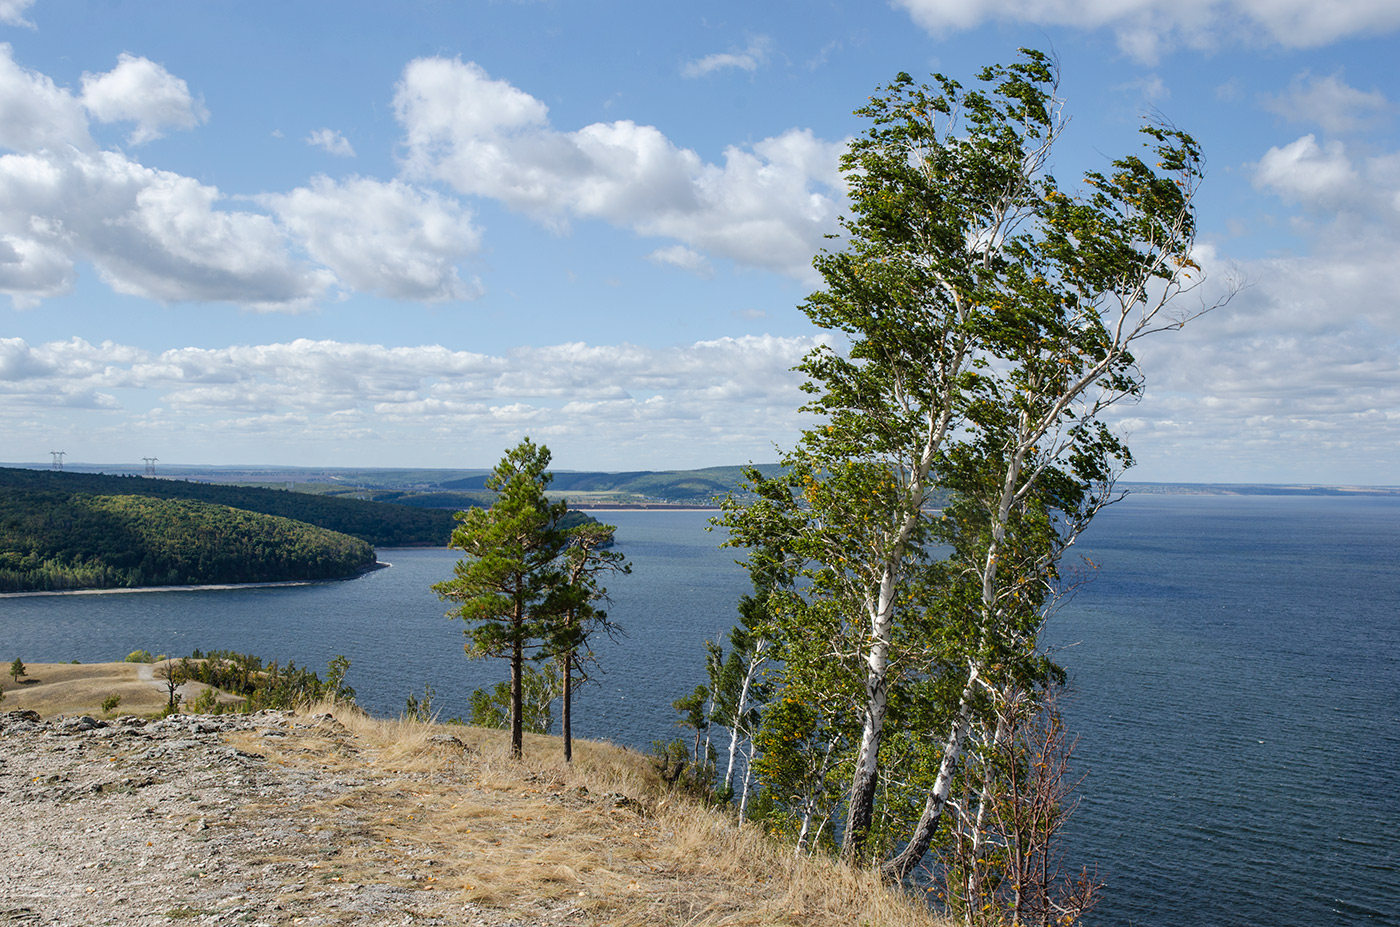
[57, 459]
[150, 465]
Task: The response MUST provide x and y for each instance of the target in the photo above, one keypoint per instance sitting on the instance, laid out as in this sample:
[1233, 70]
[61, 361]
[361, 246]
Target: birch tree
[739, 686]
[1102, 272]
[989, 318]
[932, 215]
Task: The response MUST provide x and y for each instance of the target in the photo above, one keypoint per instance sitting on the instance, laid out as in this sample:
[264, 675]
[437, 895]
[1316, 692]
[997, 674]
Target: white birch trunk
[863, 781]
[937, 800]
[748, 778]
[755, 661]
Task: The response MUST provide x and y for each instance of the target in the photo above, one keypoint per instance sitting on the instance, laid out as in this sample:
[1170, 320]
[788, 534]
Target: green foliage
[421, 710]
[140, 656]
[17, 669]
[377, 524]
[110, 703]
[909, 548]
[676, 767]
[71, 541]
[260, 685]
[527, 581]
[540, 687]
[694, 714]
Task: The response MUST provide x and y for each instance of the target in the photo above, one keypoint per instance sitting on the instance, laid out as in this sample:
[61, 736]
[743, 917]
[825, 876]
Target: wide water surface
[1235, 667]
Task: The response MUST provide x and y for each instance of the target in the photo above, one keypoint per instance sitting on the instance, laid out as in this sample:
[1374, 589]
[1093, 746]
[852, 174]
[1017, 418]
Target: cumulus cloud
[164, 236]
[139, 90]
[12, 12]
[1306, 171]
[627, 405]
[1329, 102]
[332, 142]
[768, 205]
[36, 114]
[1297, 375]
[755, 55]
[1145, 28]
[385, 238]
[149, 233]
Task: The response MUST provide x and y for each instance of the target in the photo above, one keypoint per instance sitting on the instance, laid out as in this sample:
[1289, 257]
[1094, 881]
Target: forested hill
[377, 523]
[702, 487]
[51, 540]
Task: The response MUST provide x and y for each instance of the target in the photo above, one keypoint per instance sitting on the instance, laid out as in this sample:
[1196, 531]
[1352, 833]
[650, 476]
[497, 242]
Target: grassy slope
[71, 689]
[601, 836]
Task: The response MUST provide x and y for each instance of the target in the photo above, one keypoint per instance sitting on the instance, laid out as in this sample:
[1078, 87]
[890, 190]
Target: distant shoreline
[378, 565]
[641, 507]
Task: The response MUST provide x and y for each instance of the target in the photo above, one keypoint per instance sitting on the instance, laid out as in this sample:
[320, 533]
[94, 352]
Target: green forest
[375, 523]
[62, 531]
[58, 541]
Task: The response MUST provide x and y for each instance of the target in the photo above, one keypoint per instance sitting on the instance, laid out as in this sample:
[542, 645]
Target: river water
[1235, 670]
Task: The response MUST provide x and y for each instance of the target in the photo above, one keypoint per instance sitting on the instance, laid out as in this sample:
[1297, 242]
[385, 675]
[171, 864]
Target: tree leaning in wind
[512, 568]
[988, 317]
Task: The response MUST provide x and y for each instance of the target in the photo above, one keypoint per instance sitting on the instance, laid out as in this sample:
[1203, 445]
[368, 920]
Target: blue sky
[364, 234]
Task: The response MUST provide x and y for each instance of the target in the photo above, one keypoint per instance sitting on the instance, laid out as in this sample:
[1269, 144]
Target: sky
[408, 234]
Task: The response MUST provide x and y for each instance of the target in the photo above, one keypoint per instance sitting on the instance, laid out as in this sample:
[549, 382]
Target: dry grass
[57, 690]
[444, 809]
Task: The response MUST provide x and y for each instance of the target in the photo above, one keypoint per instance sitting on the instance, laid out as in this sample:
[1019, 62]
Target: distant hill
[690, 487]
[70, 530]
[376, 523]
[54, 540]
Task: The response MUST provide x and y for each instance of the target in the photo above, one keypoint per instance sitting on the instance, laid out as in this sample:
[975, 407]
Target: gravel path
[184, 820]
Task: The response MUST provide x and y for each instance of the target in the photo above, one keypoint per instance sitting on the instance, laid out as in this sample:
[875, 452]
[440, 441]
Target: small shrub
[110, 703]
[204, 703]
[140, 656]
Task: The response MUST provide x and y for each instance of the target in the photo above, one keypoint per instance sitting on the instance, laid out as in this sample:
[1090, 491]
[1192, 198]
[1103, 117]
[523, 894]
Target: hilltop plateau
[326, 816]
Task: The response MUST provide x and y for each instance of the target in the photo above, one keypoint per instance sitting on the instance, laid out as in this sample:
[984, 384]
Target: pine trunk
[517, 700]
[567, 707]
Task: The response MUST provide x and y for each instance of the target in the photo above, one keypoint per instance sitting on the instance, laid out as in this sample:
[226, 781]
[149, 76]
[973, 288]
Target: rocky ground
[316, 818]
[187, 819]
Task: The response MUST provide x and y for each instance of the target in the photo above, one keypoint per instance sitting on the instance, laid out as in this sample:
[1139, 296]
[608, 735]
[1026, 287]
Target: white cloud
[332, 142]
[749, 59]
[384, 238]
[139, 90]
[1329, 102]
[1145, 28]
[35, 114]
[1295, 377]
[149, 233]
[684, 258]
[12, 12]
[1304, 170]
[768, 205]
[625, 405]
[160, 235]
